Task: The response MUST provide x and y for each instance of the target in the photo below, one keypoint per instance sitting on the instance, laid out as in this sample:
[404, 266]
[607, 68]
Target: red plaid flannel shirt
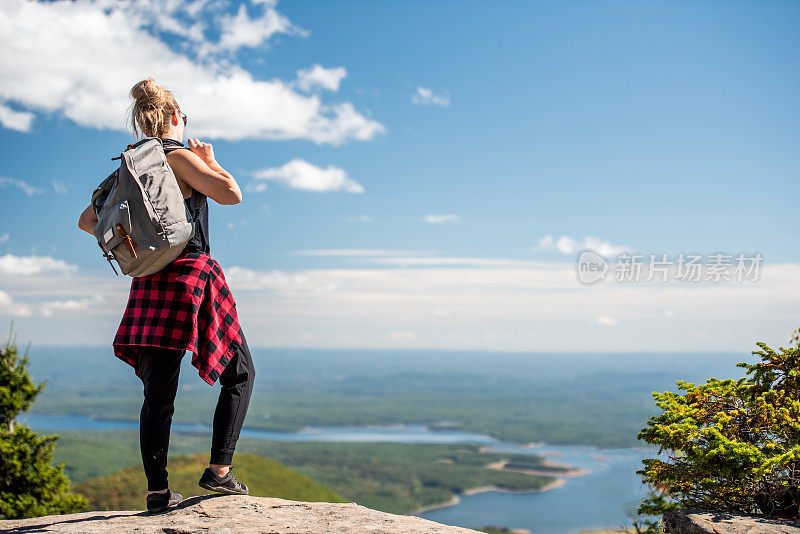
[186, 306]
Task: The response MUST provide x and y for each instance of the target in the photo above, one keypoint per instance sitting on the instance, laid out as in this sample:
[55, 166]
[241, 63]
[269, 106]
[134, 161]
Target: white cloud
[359, 218]
[448, 303]
[299, 174]
[319, 76]
[81, 59]
[29, 190]
[605, 320]
[16, 120]
[569, 245]
[29, 265]
[440, 219]
[357, 252]
[8, 307]
[530, 306]
[426, 97]
[403, 334]
[241, 30]
[59, 187]
[4, 237]
[279, 281]
[545, 243]
[256, 187]
[453, 261]
[48, 309]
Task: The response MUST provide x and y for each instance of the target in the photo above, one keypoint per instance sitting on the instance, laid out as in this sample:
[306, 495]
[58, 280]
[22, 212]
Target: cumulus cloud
[426, 97]
[81, 58]
[4, 237]
[9, 307]
[16, 120]
[29, 189]
[569, 245]
[11, 265]
[300, 174]
[441, 219]
[242, 30]
[319, 76]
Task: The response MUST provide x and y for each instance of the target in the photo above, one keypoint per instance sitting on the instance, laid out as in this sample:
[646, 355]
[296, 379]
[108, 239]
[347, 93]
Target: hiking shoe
[159, 502]
[227, 484]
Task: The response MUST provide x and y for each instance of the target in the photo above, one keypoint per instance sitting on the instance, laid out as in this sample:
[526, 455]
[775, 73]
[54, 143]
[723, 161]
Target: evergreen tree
[734, 444]
[29, 485]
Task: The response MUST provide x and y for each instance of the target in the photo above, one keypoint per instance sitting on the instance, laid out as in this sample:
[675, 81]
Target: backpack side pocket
[112, 229]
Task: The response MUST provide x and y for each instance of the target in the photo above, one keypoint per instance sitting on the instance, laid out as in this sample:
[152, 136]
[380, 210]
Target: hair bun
[149, 95]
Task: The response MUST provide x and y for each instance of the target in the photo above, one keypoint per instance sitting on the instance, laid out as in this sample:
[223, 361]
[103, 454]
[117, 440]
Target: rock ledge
[703, 522]
[228, 514]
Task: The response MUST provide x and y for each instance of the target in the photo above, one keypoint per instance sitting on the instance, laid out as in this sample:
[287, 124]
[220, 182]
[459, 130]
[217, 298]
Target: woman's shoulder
[175, 156]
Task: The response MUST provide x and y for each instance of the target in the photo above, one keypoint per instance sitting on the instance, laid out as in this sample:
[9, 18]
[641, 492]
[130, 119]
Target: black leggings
[159, 369]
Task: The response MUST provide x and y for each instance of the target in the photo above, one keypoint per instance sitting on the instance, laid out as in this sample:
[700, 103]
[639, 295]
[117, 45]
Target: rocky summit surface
[700, 522]
[228, 514]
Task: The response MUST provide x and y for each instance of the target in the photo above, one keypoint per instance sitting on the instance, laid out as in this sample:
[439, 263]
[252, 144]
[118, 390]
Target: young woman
[185, 306]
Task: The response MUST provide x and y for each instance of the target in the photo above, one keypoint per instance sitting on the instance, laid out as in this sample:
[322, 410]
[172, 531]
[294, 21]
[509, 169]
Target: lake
[593, 500]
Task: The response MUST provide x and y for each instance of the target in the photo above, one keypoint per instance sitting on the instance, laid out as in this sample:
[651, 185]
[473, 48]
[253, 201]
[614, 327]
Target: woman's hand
[204, 150]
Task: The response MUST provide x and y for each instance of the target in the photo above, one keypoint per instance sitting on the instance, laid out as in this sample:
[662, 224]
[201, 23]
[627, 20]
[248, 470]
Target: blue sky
[445, 141]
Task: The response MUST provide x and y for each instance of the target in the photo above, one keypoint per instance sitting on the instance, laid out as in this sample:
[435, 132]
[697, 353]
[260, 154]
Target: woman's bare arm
[198, 168]
[87, 220]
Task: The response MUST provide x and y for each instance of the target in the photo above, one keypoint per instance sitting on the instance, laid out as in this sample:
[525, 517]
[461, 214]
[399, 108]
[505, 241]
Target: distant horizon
[423, 349]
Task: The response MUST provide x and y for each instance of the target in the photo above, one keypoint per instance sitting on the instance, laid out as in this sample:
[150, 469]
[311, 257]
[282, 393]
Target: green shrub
[29, 485]
[733, 445]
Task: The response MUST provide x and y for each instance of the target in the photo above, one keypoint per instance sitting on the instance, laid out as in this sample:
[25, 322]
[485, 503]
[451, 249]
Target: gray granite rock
[701, 522]
[218, 514]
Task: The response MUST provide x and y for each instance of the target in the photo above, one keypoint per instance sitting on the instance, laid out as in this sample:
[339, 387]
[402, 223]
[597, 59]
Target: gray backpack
[143, 222]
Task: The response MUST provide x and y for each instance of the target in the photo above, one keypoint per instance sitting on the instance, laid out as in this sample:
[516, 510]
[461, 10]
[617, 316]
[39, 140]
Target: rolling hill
[126, 489]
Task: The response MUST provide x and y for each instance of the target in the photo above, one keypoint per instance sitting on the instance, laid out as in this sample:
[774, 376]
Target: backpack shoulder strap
[168, 149]
[134, 145]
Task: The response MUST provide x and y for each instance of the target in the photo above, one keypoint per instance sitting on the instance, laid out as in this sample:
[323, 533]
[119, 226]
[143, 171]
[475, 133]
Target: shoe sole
[161, 510]
[220, 489]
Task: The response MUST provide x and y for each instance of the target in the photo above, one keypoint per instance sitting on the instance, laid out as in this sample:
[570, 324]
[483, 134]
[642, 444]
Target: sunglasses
[183, 116]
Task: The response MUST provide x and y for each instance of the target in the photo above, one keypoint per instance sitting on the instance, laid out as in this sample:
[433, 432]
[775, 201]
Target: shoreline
[452, 502]
[559, 479]
[557, 483]
[564, 470]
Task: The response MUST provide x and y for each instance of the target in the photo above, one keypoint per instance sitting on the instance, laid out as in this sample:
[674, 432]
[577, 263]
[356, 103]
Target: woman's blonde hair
[152, 107]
